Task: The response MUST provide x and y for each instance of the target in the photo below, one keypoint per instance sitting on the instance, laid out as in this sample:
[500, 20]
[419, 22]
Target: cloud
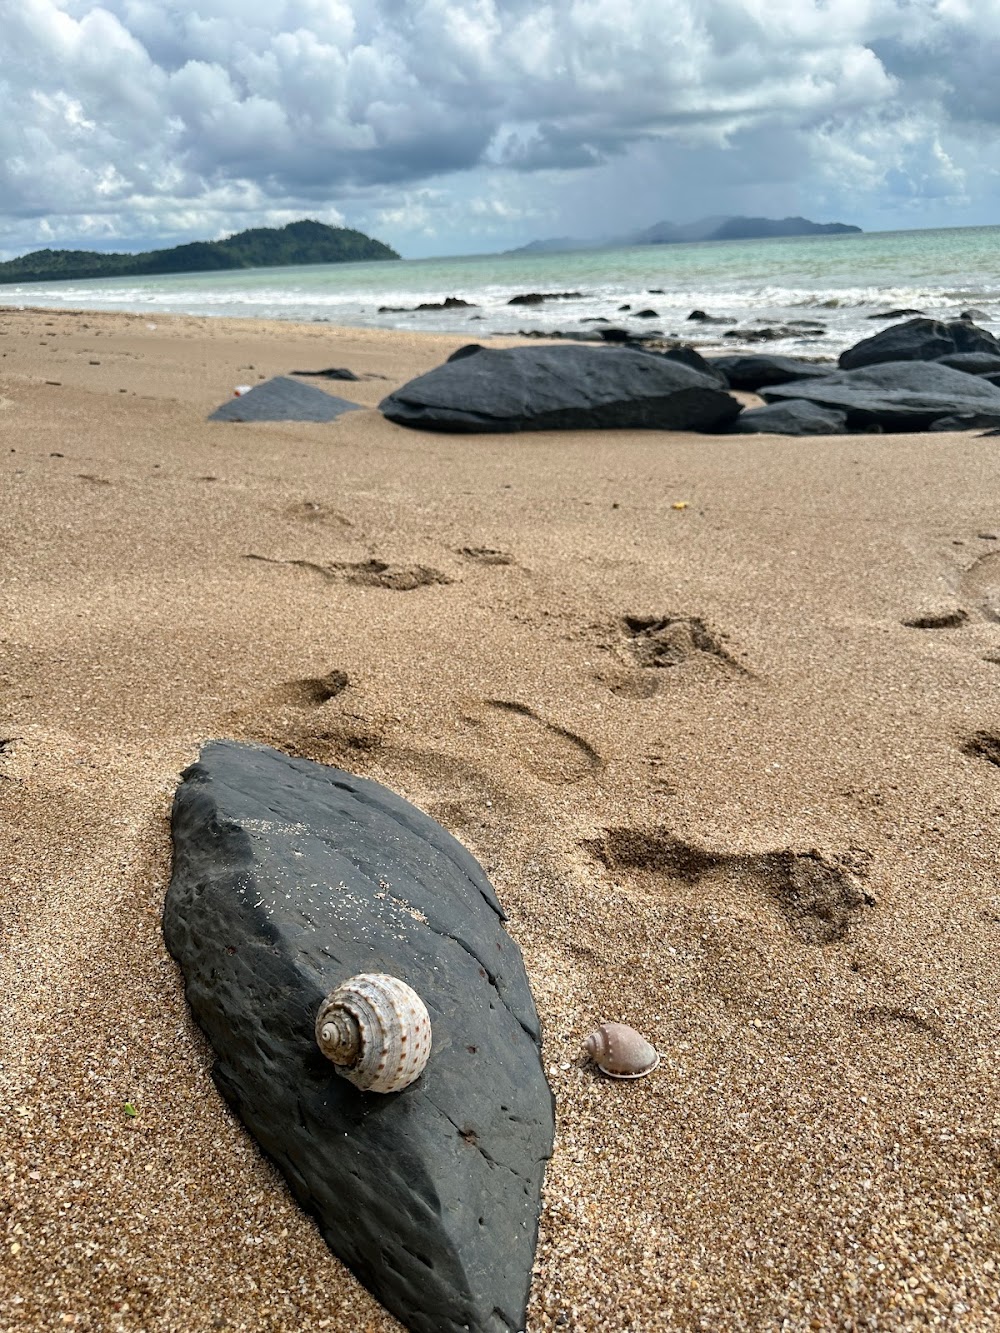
[133, 117]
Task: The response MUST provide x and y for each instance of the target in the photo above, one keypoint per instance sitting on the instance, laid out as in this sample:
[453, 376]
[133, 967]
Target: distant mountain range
[304, 242]
[706, 229]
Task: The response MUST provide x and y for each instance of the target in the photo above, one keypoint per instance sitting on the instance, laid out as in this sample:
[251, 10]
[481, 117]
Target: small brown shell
[621, 1052]
[376, 1030]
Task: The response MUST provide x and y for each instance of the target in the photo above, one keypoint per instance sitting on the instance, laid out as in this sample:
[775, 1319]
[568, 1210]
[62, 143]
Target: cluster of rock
[921, 375]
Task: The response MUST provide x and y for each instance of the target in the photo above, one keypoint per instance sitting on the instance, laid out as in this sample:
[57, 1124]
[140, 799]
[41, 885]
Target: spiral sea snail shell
[621, 1052]
[376, 1030]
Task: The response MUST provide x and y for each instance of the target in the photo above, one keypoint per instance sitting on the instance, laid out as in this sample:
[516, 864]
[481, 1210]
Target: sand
[660, 685]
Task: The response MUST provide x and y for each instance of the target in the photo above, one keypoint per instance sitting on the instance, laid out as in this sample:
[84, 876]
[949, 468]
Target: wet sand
[745, 800]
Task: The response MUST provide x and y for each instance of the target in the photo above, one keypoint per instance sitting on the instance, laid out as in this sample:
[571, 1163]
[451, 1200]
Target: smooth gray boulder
[561, 388]
[795, 417]
[919, 340]
[973, 363]
[283, 399]
[897, 396]
[753, 372]
[690, 356]
[289, 877]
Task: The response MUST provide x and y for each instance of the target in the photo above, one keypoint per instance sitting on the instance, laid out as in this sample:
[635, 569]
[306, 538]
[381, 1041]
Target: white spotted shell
[376, 1030]
[621, 1052]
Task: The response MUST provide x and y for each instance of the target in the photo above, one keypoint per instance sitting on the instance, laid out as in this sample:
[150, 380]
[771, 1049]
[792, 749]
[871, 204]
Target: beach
[718, 716]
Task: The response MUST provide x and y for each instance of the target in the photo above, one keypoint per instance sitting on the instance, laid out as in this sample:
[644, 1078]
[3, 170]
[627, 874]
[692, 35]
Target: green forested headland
[303, 242]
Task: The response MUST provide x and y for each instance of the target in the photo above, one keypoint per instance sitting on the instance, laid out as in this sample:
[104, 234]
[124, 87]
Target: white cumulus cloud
[163, 119]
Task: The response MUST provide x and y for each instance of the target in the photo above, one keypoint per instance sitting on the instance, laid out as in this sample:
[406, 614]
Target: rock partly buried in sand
[896, 396]
[288, 878]
[795, 417]
[561, 388]
[919, 340]
[755, 371]
[330, 373]
[283, 399]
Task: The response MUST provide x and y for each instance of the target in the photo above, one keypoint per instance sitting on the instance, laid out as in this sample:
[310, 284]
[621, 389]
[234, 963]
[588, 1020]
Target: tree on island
[305, 242]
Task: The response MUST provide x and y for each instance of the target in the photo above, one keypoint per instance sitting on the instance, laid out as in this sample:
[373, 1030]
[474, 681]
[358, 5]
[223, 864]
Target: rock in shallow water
[290, 876]
[561, 388]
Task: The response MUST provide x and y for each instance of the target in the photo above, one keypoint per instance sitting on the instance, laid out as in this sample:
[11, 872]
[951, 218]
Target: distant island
[706, 229]
[304, 242]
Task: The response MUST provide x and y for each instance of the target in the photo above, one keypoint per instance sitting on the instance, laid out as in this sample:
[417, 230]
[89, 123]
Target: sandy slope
[758, 832]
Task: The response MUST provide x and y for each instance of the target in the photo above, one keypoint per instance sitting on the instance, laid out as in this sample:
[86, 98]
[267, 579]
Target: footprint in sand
[366, 573]
[983, 745]
[550, 752]
[315, 511]
[657, 643]
[981, 585]
[818, 898]
[891, 1019]
[938, 620]
[485, 555]
[313, 691]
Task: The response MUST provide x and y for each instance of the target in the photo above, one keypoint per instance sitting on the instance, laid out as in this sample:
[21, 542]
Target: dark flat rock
[778, 332]
[753, 372]
[536, 298]
[794, 417]
[897, 395]
[283, 399]
[690, 356]
[973, 363]
[449, 303]
[561, 388]
[288, 878]
[895, 314]
[330, 373]
[919, 340]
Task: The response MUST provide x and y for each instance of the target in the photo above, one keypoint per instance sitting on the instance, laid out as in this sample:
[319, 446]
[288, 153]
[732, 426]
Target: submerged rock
[288, 878]
[561, 388]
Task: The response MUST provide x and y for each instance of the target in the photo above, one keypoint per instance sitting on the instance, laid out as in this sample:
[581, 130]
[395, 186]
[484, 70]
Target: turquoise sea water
[834, 281]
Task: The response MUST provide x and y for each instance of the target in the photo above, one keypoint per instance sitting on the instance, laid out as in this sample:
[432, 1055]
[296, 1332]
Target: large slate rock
[690, 356]
[283, 399]
[973, 363]
[290, 876]
[919, 340]
[561, 388]
[753, 372]
[897, 396]
[794, 417]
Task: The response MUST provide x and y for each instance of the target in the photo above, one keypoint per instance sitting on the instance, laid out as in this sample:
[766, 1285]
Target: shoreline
[769, 849]
[745, 285]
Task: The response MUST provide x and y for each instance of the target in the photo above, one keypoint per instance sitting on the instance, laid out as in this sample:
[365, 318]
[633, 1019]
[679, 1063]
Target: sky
[469, 126]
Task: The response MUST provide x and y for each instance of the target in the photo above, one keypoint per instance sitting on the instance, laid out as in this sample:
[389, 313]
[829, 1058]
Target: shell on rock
[376, 1030]
[621, 1052]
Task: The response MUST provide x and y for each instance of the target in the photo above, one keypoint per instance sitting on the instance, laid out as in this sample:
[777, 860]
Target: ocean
[824, 291]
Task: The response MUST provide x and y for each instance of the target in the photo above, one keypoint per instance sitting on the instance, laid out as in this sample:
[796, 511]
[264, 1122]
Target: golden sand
[661, 685]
